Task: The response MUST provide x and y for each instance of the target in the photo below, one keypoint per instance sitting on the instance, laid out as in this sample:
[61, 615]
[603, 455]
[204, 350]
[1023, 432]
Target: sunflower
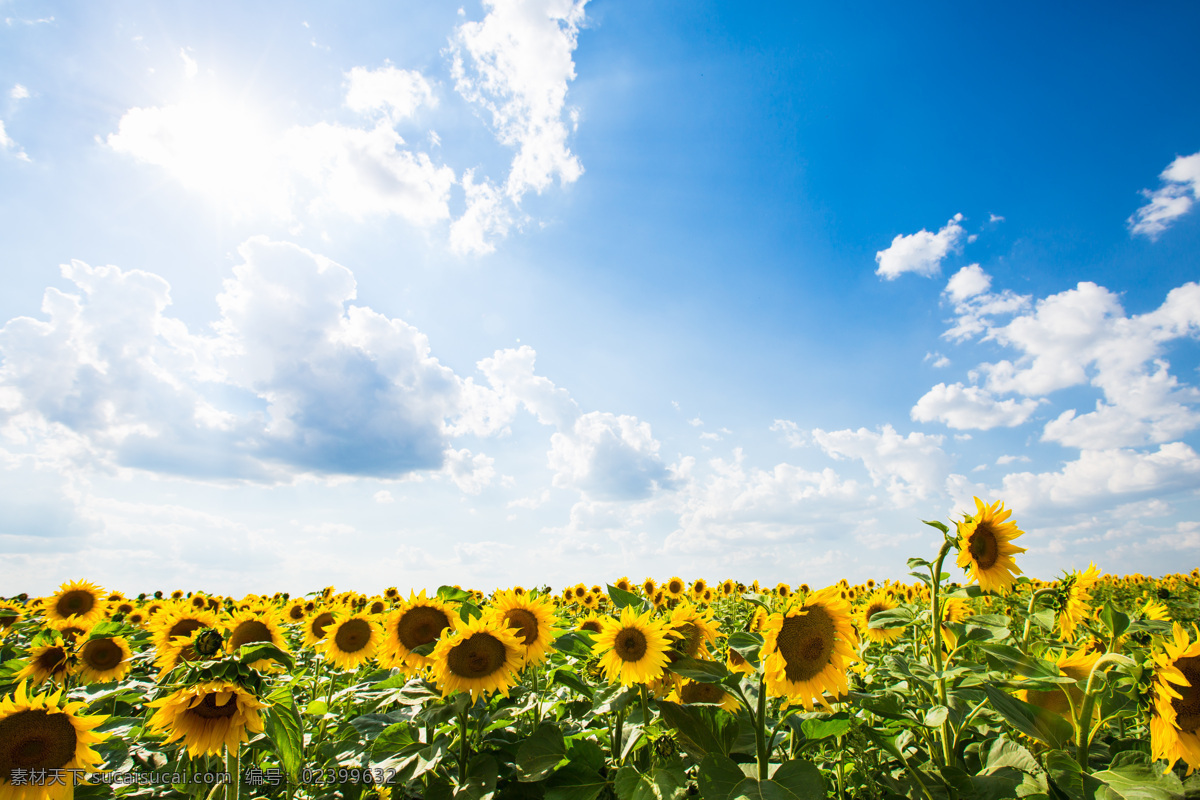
[294, 612]
[200, 645]
[674, 588]
[104, 659]
[728, 587]
[9, 614]
[593, 623]
[624, 584]
[649, 587]
[694, 630]
[783, 590]
[1156, 611]
[633, 649]
[479, 656]
[591, 601]
[692, 692]
[175, 623]
[985, 546]
[376, 606]
[351, 639]
[698, 587]
[807, 648]
[533, 621]
[254, 626]
[208, 716]
[37, 734]
[316, 625]
[1175, 709]
[418, 621]
[1061, 700]
[77, 602]
[51, 662]
[735, 662]
[878, 601]
[1076, 603]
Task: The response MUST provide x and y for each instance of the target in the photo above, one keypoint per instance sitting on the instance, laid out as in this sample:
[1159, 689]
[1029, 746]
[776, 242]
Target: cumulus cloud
[1177, 195]
[911, 468]
[608, 457]
[516, 64]
[486, 218]
[18, 92]
[970, 407]
[7, 144]
[790, 431]
[968, 282]
[921, 252]
[397, 93]
[293, 379]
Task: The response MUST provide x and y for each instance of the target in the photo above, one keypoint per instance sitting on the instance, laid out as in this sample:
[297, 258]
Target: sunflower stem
[1084, 728]
[464, 746]
[760, 731]
[841, 769]
[645, 762]
[232, 777]
[1029, 614]
[944, 733]
[617, 732]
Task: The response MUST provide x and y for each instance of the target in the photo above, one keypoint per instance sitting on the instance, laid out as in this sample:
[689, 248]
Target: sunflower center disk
[101, 654]
[34, 739]
[184, 628]
[353, 636]
[590, 625]
[477, 657]
[208, 708]
[248, 632]
[321, 623]
[630, 644]
[54, 659]
[421, 625]
[526, 622]
[75, 602]
[806, 643]
[1187, 707]
[984, 548]
[701, 693]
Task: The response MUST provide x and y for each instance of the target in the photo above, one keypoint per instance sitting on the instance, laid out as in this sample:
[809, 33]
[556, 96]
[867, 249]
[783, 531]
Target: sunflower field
[983, 684]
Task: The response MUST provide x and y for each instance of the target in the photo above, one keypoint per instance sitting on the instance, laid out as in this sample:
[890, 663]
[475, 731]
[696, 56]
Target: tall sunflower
[105, 659]
[1175, 709]
[532, 620]
[1076, 603]
[418, 621]
[985, 546]
[633, 649]
[807, 648]
[479, 656]
[77, 602]
[36, 733]
[208, 716]
[351, 639]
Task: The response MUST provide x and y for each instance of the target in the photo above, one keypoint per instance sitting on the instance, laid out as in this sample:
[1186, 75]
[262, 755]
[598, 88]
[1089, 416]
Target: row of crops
[972, 683]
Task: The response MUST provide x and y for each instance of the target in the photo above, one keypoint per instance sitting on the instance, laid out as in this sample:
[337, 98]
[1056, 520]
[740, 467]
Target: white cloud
[910, 467]
[190, 68]
[384, 497]
[18, 92]
[511, 375]
[1180, 190]
[6, 143]
[791, 432]
[968, 282]
[939, 361]
[517, 66]
[921, 252]
[486, 218]
[1002, 460]
[995, 218]
[470, 473]
[608, 457]
[695, 422]
[531, 502]
[970, 407]
[398, 93]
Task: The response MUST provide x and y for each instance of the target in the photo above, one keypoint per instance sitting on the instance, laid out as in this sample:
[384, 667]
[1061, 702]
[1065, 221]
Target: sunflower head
[351, 639]
[876, 602]
[808, 647]
[419, 621]
[77, 602]
[38, 732]
[985, 546]
[531, 619]
[480, 656]
[633, 649]
[104, 659]
[1175, 707]
[208, 717]
[53, 662]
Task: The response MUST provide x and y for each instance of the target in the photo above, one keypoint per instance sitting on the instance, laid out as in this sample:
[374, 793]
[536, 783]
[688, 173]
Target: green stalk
[616, 754]
[841, 769]
[1029, 615]
[760, 731]
[645, 762]
[231, 770]
[944, 733]
[464, 747]
[537, 705]
[1083, 730]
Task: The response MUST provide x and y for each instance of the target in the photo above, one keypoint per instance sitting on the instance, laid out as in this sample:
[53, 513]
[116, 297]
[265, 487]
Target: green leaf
[898, 617]
[661, 783]
[468, 611]
[249, 653]
[747, 644]
[575, 782]
[936, 524]
[815, 728]
[917, 563]
[569, 679]
[935, 716]
[760, 600]
[1069, 778]
[1116, 621]
[801, 779]
[452, 594]
[1006, 753]
[1133, 776]
[482, 771]
[699, 670]
[887, 706]
[700, 730]
[622, 598]
[718, 776]
[285, 731]
[317, 708]
[1012, 659]
[541, 753]
[574, 643]
[1043, 725]
[393, 739]
[613, 697]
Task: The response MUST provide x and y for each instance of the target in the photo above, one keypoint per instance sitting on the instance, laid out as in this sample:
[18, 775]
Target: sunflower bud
[208, 642]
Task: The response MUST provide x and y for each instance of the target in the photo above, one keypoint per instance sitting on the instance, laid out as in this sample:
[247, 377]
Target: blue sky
[540, 291]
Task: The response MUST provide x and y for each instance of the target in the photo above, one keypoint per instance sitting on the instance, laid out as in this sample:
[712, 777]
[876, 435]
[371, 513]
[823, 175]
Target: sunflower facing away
[1175, 710]
[78, 602]
[808, 647]
[1076, 605]
[985, 546]
[208, 716]
[351, 639]
[36, 733]
[633, 649]
[419, 621]
[532, 620]
[480, 656]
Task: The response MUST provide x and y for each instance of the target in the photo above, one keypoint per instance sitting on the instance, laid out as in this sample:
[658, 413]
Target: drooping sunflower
[104, 659]
[51, 662]
[420, 620]
[876, 602]
[36, 733]
[208, 717]
[256, 625]
[351, 639]
[691, 692]
[1076, 604]
[807, 648]
[77, 602]
[532, 620]
[985, 546]
[1175, 709]
[480, 656]
[633, 649]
